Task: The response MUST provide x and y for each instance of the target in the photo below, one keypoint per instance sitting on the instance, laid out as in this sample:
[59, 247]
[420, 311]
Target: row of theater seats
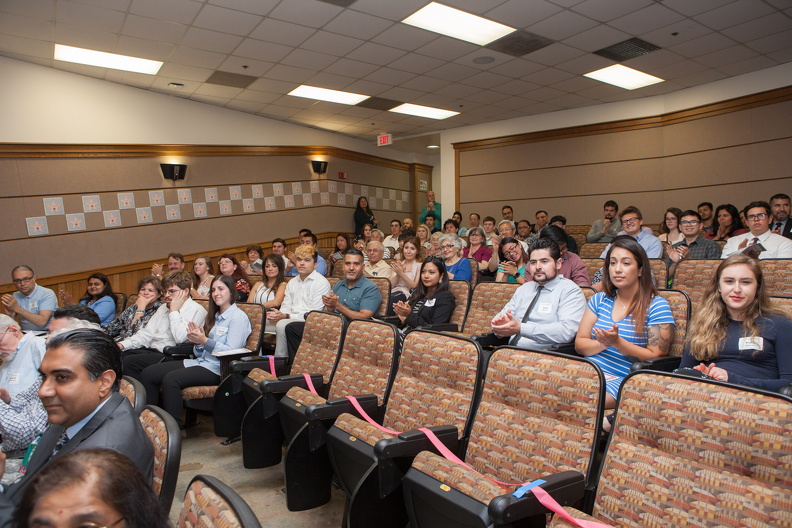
[207, 501]
[683, 451]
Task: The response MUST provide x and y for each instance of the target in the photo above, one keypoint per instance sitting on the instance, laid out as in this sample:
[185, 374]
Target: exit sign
[384, 139]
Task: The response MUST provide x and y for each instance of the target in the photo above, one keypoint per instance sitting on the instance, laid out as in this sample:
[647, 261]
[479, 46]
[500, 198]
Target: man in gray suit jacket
[81, 373]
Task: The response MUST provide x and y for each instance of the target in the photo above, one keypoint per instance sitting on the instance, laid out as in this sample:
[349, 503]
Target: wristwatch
[516, 275]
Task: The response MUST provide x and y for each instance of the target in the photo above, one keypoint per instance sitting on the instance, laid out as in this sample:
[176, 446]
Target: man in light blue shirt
[21, 356]
[32, 304]
[632, 222]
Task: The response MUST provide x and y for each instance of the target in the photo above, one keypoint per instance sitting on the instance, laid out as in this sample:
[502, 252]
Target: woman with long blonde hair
[737, 335]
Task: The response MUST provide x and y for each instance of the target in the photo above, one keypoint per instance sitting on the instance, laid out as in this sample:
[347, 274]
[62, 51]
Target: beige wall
[732, 157]
[28, 182]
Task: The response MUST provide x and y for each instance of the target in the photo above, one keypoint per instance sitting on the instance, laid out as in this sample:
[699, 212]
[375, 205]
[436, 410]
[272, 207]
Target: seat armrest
[565, 348]
[662, 363]
[246, 364]
[410, 443]
[786, 391]
[441, 327]
[567, 488]
[338, 406]
[284, 383]
[182, 350]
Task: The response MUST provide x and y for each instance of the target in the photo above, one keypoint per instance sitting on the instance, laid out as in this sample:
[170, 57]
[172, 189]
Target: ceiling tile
[388, 8]
[516, 87]
[761, 27]
[218, 91]
[555, 54]
[457, 91]
[264, 51]
[734, 13]
[199, 58]
[274, 86]
[453, 72]
[257, 97]
[484, 53]
[487, 97]
[486, 80]
[402, 36]
[367, 87]
[425, 84]
[596, 38]
[688, 8]
[173, 71]
[245, 106]
[677, 33]
[279, 111]
[700, 77]
[401, 94]
[415, 63]
[702, 45]
[390, 76]
[41, 9]
[447, 48]
[358, 25]
[152, 29]
[209, 99]
[351, 68]
[284, 33]
[544, 94]
[517, 68]
[245, 66]
[22, 26]
[138, 80]
[145, 49]
[331, 43]
[308, 59]
[281, 72]
[89, 17]
[182, 11]
[226, 20]
[584, 64]
[516, 14]
[648, 19]
[747, 66]
[562, 25]
[652, 61]
[375, 54]
[333, 82]
[727, 55]
[305, 12]
[26, 46]
[85, 38]
[610, 10]
[772, 43]
[210, 40]
[257, 7]
[160, 84]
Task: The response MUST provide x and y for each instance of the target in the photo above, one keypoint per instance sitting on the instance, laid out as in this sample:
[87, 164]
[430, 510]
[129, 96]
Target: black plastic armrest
[180, 350]
[662, 363]
[565, 348]
[786, 391]
[441, 327]
[284, 383]
[410, 443]
[338, 406]
[567, 488]
[246, 364]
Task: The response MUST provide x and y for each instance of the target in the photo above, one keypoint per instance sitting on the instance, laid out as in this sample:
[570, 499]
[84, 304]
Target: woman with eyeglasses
[137, 315]
[230, 267]
[477, 249]
[430, 302]
[669, 229]
[728, 223]
[99, 297]
[457, 268]
[736, 334]
[513, 261]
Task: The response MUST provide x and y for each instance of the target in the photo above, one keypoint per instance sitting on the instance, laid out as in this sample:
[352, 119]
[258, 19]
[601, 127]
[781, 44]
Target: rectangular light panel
[423, 111]
[106, 60]
[458, 24]
[624, 77]
[324, 94]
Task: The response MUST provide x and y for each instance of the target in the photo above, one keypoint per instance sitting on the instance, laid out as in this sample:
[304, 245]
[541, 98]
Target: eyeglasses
[760, 216]
[689, 222]
[23, 280]
[630, 220]
[90, 524]
[173, 291]
[447, 246]
[511, 250]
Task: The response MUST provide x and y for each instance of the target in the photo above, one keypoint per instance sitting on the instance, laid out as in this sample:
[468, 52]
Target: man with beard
[707, 221]
[605, 229]
[545, 311]
[780, 205]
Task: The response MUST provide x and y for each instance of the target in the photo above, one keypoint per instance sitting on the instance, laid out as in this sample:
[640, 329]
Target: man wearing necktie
[758, 218]
[81, 373]
[780, 206]
[545, 311]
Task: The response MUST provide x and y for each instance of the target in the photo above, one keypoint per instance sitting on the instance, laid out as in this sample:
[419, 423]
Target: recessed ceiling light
[106, 60]
[324, 94]
[624, 77]
[458, 24]
[433, 146]
[423, 111]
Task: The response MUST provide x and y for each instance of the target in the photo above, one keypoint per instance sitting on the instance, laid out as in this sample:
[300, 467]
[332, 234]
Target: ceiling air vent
[519, 43]
[379, 103]
[339, 3]
[629, 49]
[234, 80]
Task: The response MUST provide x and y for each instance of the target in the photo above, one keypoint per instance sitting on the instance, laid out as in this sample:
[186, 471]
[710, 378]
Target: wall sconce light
[173, 172]
[319, 167]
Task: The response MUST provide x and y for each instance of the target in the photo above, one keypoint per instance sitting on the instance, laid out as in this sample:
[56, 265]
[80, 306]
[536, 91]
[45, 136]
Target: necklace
[620, 302]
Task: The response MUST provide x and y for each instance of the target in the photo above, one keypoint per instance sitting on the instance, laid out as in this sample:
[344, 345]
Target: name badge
[545, 308]
[13, 379]
[430, 302]
[221, 331]
[33, 305]
[751, 343]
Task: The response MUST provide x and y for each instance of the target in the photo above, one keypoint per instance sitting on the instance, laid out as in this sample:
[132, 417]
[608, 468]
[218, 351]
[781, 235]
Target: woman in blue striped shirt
[627, 321]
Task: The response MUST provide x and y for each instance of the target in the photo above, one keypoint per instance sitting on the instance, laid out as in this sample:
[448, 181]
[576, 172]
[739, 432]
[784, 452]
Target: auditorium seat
[384, 286]
[461, 291]
[659, 272]
[692, 276]
[540, 413]
[436, 386]
[694, 452]
[593, 265]
[487, 301]
[592, 249]
[365, 369]
[210, 502]
[474, 271]
[680, 309]
[262, 438]
[777, 276]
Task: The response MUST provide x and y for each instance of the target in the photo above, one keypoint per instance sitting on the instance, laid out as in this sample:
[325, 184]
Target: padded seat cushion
[559, 522]
[204, 507]
[304, 397]
[360, 429]
[260, 375]
[199, 392]
[158, 434]
[459, 477]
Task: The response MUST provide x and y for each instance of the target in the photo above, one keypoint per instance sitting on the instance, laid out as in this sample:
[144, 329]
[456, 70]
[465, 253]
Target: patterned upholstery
[579, 238]
[133, 390]
[121, 300]
[691, 276]
[593, 265]
[577, 229]
[158, 434]
[434, 386]
[199, 392]
[488, 299]
[777, 276]
[659, 272]
[333, 281]
[686, 452]
[384, 286]
[531, 400]
[782, 302]
[461, 291]
[592, 249]
[127, 390]
[588, 292]
[210, 503]
[680, 308]
[338, 269]
[163, 432]
[474, 271]
[131, 299]
[320, 343]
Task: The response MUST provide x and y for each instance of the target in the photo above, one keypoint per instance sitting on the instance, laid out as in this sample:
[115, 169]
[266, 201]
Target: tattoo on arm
[661, 336]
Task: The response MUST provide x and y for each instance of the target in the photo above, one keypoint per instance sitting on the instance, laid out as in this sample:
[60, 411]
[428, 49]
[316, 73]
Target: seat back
[782, 302]
[696, 452]
[321, 341]
[588, 291]
[256, 314]
[436, 383]
[592, 249]
[593, 265]
[539, 414]
[384, 286]
[461, 291]
[209, 502]
[338, 269]
[204, 303]
[367, 360]
[777, 276]
[692, 276]
[165, 436]
[333, 281]
[488, 299]
[474, 271]
[680, 309]
[134, 391]
[120, 300]
[659, 272]
[131, 299]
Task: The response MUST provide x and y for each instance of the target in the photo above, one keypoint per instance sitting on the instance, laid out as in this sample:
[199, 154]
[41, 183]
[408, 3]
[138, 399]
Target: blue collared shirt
[230, 331]
[40, 299]
[364, 295]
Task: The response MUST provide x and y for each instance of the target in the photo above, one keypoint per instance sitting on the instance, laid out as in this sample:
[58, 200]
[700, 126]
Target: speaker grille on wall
[173, 172]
